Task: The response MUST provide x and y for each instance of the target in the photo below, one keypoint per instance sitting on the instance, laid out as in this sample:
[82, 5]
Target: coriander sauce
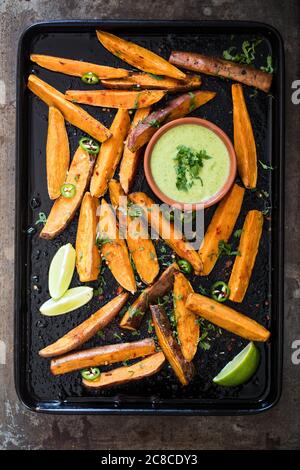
[211, 176]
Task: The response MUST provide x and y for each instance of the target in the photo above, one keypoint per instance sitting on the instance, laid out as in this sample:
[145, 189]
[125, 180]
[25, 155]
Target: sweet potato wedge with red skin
[64, 209]
[186, 321]
[141, 247]
[130, 160]
[220, 227]
[116, 98]
[224, 68]
[166, 230]
[72, 113]
[57, 152]
[87, 329]
[77, 68]
[88, 259]
[244, 142]
[227, 318]
[134, 315]
[248, 248]
[176, 108]
[122, 375]
[138, 56]
[183, 369]
[114, 250]
[102, 355]
[146, 81]
[110, 154]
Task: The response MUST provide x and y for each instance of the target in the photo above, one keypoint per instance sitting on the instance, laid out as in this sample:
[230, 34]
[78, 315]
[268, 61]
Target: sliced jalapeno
[68, 190]
[90, 77]
[91, 373]
[90, 145]
[185, 266]
[220, 291]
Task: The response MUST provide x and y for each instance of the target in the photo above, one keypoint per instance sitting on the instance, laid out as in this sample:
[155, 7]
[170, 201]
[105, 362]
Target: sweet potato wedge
[166, 230]
[183, 369]
[88, 259]
[64, 209]
[130, 160]
[248, 248]
[114, 249]
[224, 68]
[72, 113]
[147, 81]
[133, 317]
[176, 108]
[57, 152]
[102, 355]
[220, 227]
[122, 375]
[244, 142]
[141, 247]
[138, 56]
[77, 68]
[87, 329]
[110, 154]
[187, 327]
[227, 318]
[116, 98]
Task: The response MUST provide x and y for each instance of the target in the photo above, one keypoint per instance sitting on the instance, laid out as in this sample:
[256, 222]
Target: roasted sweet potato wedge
[166, 230]
[224, 68]
[248, 248]
[114, 249]
[72, 113]
[227, 318]
[64, 209]
[87, 329]
[102, 355]
[122, 375]
[183, 369]
[187, 327]
[176, 108]
[130, 160]
[76, 68]
[133, 317]
[220, 227]
[140, 81]
[57, 152]
[141, 247]
[138, 56]
[88, 259]
[244, 142]
[110, 154]
[116, 98]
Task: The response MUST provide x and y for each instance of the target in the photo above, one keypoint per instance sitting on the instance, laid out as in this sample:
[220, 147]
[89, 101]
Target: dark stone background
[278, 428]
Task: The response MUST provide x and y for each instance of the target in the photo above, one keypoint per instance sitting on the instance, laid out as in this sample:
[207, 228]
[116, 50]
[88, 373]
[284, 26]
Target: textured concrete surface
[279, 428]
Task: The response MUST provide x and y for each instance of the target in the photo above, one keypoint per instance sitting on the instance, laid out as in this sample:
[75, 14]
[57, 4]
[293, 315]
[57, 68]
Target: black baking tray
[161, 394]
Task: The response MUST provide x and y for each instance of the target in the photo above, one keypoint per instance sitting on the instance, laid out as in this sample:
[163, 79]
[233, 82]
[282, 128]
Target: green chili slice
[220, 291]
[90, 77]
[185, 266]
[68, 190]
[91, 373]
[90, 145]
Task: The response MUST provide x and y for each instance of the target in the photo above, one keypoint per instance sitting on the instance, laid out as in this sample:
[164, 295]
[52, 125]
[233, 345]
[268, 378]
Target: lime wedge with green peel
[61, 270]
[72, 299]
[241, 368]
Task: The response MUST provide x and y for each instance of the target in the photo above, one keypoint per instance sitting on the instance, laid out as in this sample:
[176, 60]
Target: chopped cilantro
[188, 163]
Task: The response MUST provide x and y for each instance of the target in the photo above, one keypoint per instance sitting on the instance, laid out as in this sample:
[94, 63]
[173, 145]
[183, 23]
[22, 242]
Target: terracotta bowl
[223, 190]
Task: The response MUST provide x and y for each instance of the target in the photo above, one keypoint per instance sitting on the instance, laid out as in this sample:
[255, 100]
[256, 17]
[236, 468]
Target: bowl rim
[215, 197]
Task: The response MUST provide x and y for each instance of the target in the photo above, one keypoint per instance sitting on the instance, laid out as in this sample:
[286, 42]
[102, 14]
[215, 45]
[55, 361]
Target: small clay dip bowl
[222, 191]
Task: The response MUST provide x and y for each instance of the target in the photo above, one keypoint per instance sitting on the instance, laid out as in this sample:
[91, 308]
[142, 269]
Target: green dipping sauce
[213, 174]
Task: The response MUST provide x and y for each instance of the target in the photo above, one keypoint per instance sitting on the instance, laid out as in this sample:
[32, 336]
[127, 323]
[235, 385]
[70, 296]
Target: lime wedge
[241, 368]
[72, 299]
[61, 270]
